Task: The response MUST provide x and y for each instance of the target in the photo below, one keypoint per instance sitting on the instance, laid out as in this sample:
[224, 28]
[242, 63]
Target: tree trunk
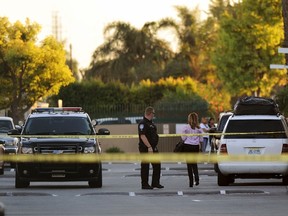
[285, 20]
[16, 113]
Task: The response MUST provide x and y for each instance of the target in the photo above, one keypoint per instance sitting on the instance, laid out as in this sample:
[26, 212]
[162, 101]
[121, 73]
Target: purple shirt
[193, 139]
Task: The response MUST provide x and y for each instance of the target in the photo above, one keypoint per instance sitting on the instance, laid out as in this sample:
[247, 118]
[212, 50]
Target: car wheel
[20, 183]
[12, 164]
[216, 169]
[2, 171]
[285, 180]
[222, 179]
[98, 182]
[2, 209]
[231, 179]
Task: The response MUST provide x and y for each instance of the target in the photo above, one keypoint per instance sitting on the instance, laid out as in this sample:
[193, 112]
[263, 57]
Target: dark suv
[50, 131]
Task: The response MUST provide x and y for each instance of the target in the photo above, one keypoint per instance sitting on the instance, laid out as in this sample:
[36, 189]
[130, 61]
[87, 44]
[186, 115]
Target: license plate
[254, 151]
[57, 151]
[58, 175]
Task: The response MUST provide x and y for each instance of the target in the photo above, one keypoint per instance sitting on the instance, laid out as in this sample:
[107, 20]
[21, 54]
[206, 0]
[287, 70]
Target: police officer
[148, 140]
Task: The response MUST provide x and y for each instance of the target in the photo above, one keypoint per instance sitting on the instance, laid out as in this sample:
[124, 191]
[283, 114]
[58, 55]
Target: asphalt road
[121, 194]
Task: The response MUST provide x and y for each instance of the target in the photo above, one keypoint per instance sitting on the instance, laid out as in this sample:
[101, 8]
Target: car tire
[2, 209]
[2, 171]
[20, 183]
[98, 182]
[285, 180]
[223, 180]
[12, 164]
[231, 179]
[216, 169]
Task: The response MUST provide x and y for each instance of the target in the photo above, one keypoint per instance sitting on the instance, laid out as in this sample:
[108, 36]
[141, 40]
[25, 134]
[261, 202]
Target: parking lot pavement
[173, 176]
[121, 194]
[175, 180]
[124, 178]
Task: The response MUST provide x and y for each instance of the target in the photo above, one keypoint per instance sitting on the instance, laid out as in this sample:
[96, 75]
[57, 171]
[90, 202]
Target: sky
[82, 21]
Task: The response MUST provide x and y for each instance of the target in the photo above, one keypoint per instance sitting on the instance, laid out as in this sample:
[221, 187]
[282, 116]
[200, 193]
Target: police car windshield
[58, 126]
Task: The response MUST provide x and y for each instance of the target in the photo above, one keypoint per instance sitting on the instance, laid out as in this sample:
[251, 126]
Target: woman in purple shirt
[192, 144]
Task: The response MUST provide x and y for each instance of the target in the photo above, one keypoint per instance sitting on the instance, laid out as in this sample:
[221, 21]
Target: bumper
[273, 168]
[10, 150]
[58, 172]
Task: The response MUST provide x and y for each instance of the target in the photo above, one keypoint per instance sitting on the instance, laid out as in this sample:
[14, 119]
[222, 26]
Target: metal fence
[176, 112]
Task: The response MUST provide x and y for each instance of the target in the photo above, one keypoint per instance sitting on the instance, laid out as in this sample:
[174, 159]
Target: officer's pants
[145, 170]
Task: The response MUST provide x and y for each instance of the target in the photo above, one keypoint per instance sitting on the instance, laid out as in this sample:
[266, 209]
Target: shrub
[114, 150]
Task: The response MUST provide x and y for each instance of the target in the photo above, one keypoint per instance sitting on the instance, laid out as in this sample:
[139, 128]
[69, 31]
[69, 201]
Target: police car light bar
[58, 109]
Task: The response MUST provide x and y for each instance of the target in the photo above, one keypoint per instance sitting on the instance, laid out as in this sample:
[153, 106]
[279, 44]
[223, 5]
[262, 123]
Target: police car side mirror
[94, 122]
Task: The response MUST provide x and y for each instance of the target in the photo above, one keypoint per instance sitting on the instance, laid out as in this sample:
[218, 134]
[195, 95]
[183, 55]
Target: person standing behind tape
[192, 144]
[212, 129]
[148, 140]
[205, 128]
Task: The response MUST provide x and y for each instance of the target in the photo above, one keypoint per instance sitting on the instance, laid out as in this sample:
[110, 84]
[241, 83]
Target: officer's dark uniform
[148, 128]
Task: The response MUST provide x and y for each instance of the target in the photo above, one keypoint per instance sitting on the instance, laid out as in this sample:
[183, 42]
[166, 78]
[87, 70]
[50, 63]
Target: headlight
[15, 141]
[11, 142]
[26, 150]
[89, 149]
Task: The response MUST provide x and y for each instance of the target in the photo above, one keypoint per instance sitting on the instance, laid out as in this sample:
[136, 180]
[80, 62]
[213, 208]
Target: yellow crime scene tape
[147, 157]
[132, 157]
[128, 136]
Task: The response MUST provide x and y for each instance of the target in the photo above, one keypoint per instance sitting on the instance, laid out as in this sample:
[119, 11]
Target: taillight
[223, 149]
[285, 148]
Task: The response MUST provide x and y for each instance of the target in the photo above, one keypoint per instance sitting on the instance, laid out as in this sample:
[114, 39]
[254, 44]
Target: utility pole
[71, 58]
[56, 26]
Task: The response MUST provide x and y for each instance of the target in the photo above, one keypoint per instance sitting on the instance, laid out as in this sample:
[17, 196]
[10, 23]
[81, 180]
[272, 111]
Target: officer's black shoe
[147, 187]
[158, 186]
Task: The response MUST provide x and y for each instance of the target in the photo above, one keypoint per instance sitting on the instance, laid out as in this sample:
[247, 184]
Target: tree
[282, 100]
[250, 33]
[129, 54]
[29, 70]
[285, 22]
[195, 38]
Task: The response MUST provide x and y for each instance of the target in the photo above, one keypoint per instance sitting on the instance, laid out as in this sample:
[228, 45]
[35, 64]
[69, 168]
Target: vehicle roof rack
[57, 109]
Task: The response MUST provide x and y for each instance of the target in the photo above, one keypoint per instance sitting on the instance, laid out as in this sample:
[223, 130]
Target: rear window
[255, 129]
[58, 126]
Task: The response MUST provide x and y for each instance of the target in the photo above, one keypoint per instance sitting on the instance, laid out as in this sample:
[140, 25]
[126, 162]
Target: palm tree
[130, 54]
[195, 39]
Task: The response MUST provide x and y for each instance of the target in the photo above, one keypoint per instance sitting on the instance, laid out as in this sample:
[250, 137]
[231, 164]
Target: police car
[54, 131]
